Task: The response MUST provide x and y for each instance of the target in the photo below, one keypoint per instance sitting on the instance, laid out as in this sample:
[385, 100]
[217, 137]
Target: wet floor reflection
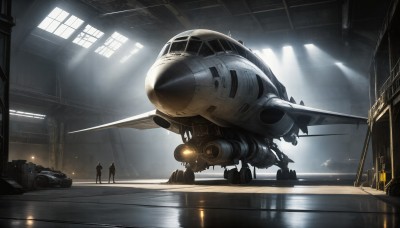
[160, 205]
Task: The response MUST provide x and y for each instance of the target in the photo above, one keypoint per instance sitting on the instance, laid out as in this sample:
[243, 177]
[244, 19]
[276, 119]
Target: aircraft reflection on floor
[141, 203]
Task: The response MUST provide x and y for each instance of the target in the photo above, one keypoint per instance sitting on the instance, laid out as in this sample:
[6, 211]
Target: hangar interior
[70, 65]
[67, 83]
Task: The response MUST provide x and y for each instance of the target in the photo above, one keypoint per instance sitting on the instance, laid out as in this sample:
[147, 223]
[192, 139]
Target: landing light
[187, 152]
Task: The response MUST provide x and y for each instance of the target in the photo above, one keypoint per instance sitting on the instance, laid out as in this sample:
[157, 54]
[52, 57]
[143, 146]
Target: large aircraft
[226, 104]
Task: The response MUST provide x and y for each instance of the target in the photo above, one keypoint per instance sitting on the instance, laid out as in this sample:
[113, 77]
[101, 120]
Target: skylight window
[88, 36]
[135, 50]
[60, 23]
[112, 44]
[27, 114]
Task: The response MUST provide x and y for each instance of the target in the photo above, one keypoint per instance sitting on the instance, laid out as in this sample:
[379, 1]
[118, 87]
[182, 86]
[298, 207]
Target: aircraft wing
[142, 121]
[306, 116]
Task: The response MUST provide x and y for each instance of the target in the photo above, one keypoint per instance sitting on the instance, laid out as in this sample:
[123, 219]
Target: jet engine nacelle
[224, 151]
[260, 155]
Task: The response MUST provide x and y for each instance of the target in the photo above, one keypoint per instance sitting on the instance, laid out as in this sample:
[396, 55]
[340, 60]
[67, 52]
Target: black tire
[294, 175]
[279, 175]
[245, 176]
[233, 176]
[180, 177]
[41, 182]
[225, 174]
[172, 178]
[188, 176]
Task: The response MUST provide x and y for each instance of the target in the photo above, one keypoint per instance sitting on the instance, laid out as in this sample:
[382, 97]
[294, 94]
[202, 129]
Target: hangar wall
[6, 22]
[384, 115]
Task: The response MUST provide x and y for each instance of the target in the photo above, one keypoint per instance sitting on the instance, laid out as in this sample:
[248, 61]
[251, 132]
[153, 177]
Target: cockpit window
[164, 50]
[178, 46]
[205, 50]
[216, 45]
[226, 45]
[181, 38]
[193, 46]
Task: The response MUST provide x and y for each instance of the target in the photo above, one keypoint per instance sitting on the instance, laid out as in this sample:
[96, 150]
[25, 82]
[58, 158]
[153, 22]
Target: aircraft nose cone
[170, 86]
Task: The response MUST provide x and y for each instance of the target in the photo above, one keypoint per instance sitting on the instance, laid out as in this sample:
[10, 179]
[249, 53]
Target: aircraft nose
[170, 86]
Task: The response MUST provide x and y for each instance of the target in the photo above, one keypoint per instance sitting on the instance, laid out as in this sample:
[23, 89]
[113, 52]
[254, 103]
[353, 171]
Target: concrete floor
[313, 201]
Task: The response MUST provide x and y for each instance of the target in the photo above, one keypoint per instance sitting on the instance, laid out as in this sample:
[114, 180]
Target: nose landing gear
[182, 177]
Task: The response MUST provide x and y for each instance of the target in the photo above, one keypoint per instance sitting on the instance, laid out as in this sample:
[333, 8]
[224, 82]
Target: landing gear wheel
[245, 175]
[233, 176]
[188, 176]
[279, 175]
[286, 174]
[292, 175]
[226, 174]
[172, 178]
[182, 177]
[179, 177]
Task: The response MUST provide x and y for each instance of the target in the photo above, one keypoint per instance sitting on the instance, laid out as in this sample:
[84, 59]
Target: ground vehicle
[51, 178]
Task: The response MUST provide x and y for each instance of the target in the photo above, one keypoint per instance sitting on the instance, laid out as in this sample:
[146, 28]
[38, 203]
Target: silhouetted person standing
[98, 172]
[111, 172]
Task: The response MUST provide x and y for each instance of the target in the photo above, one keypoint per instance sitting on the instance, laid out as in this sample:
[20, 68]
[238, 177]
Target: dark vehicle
[49, 178]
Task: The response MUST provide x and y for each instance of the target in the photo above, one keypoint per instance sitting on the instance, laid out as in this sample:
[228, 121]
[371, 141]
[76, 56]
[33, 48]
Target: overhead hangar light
[309, 45]
[88, 36]
[27, 114]
[338, 63]
[287, 48]
[59, 22]
[112, 44]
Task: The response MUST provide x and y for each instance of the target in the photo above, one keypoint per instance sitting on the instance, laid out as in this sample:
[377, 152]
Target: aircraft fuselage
[224, 87]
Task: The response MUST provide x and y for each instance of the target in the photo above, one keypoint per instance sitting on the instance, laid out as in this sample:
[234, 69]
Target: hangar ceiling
[259, 19]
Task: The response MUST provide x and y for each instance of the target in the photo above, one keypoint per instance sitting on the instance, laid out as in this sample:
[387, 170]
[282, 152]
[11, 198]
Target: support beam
[252, 15]
[179, 15]
[288, 14]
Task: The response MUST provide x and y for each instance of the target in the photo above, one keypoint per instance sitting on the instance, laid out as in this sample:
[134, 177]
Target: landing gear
[238, 177]
[286, 174]
[182, 177]
[283, 160]
[245, 175]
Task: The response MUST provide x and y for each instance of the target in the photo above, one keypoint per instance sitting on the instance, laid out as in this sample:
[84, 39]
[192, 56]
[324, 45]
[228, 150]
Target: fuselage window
[234, 84]
[260, 86]
[225, 44]
[178, 46]
[216, 45]
[165, 49]
[205, 50]
[193, 46]
[214, 72]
